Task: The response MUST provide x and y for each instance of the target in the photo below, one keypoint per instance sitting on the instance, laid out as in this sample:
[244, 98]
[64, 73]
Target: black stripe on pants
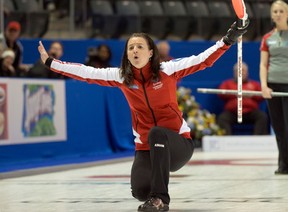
[150, 172]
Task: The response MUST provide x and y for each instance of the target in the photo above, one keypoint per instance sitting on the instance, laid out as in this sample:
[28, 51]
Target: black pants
[150, 172]
[278, 110]
[257, 117]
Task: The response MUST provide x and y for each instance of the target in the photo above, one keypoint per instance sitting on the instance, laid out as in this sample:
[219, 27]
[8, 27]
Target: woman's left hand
[43, 53]
[266, 92]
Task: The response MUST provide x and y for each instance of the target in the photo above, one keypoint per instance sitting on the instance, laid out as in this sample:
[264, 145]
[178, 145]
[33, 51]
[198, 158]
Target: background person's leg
[260, 121]
[225, 121]
[278, 110]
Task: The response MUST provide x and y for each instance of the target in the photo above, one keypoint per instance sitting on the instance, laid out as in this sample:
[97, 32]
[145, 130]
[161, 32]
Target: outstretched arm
[185, 66]
[100, 76]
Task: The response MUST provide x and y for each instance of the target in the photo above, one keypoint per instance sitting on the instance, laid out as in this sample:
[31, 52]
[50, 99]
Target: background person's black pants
[278, 110]
[256, 117]
[150, 172]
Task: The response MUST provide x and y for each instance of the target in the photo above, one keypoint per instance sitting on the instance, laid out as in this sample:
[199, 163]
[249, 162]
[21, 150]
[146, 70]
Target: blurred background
[87, 123]
[163, 19]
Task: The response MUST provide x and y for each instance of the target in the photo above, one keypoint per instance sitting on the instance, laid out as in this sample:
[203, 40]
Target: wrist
[228, 41]
[263, 84]
[48, 61]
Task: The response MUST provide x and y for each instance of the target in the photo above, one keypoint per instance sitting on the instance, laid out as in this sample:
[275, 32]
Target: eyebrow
[136, 44]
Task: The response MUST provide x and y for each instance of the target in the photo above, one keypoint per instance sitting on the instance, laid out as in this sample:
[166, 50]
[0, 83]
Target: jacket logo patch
[157, 85]
[134, 86]
[159, 145]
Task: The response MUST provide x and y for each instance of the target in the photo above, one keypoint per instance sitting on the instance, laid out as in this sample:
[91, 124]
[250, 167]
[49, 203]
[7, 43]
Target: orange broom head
[239, 8]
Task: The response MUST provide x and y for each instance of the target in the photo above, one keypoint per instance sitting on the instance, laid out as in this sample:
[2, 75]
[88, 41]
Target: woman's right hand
[266, 92]
[43, 53]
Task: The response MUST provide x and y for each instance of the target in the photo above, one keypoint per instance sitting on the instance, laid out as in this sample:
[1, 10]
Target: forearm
[263, 76]
[189, 65]
[101, 76]
[266, 91]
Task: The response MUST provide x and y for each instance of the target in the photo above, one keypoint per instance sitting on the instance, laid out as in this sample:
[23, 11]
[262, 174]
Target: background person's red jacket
[249, 103]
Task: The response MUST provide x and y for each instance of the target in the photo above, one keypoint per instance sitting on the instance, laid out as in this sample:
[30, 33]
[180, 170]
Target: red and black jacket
[151, 103]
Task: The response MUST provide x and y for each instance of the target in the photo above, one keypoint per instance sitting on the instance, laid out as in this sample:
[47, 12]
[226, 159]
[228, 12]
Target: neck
[147, 66]
[282, 27]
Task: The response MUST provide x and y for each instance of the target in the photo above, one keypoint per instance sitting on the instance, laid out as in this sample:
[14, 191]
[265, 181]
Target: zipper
[146, 97]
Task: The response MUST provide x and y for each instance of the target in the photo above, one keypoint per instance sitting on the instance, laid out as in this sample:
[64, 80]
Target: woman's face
[138, 52]
[279, 14]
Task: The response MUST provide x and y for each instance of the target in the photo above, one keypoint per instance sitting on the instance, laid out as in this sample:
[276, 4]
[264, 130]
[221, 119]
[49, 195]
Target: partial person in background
[39, 70]
[99, 57]
[6, 63]
[163, 143]
[164, 51]
[274, 77]
[12, 34]
[250, 104]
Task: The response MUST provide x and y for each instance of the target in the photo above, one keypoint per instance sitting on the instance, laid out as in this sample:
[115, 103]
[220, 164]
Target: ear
[151, 53]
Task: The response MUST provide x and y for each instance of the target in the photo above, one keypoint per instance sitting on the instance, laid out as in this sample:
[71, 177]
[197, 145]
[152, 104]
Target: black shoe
[153, 204]
[281, 171]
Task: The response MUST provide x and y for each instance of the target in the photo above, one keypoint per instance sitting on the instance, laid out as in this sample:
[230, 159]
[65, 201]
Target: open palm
[43, 53]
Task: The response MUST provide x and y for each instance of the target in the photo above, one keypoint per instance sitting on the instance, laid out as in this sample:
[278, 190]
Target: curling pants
[278, 110]
[150, 172]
